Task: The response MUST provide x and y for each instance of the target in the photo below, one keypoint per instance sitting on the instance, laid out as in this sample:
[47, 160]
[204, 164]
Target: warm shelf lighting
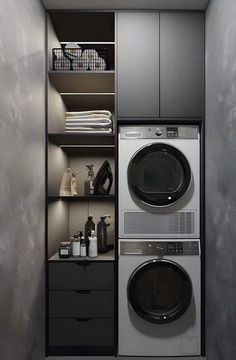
[87, 146]
[74, 94]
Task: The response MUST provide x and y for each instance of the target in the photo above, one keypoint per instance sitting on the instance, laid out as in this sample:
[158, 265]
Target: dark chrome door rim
[177, 311]
[161, 199]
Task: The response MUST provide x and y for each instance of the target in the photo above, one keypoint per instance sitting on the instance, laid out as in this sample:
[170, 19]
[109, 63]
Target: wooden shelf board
[96, 101]
[83, 198]
[73, 72]
[83, 81]
[89, 42]
[109, 256]
[82, 139]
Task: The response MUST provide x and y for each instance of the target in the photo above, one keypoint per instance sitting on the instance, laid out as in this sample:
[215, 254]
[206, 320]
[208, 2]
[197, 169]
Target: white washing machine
[159, 298]
[159, 181]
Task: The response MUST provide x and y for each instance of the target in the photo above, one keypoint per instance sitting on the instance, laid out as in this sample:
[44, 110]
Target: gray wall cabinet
[160, 61]
[138, 64]
[181, 64]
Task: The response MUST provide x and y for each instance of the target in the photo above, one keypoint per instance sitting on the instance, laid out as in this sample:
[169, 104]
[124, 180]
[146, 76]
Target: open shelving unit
[78, 91]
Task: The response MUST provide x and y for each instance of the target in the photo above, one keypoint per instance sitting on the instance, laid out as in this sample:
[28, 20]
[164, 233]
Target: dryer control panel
[160, 248]
[159, 132]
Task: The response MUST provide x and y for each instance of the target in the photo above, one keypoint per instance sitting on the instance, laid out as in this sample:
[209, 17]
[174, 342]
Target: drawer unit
[74, 332]
[81, 275]
[81, 308]
[81, 304]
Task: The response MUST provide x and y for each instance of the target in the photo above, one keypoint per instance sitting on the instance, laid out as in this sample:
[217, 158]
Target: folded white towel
[58, 53]
[79, 65]
[101, 124]
[89, 55]
[89, 120]
[91, 131]
[85, 113]
[98, 64]
[62, 64]
[89, 117]
[73, 50]
[94, 126]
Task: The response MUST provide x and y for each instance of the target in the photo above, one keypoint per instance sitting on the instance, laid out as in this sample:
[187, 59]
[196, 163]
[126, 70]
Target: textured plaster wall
[22, 123]
[221, 180]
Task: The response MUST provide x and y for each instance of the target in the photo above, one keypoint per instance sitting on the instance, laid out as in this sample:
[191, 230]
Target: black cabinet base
[80, 351]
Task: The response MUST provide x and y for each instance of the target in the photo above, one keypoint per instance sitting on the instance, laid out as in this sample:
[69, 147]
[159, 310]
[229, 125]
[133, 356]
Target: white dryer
[159, 298]
[159, 181]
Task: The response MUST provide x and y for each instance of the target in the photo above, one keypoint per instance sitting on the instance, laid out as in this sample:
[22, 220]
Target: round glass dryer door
[159, 291]
[159, 175]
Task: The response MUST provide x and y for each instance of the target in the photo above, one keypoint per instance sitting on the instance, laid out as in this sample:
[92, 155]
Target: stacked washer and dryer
[159, 241]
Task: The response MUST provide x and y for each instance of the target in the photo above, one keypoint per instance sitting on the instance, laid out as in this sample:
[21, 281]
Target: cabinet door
[181, 64]
[138, 64]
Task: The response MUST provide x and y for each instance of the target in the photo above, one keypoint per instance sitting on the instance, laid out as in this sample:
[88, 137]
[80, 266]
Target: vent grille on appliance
[178, 223]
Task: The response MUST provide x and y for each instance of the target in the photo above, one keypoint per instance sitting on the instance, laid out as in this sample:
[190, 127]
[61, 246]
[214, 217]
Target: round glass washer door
[159, 291]
[159, 174]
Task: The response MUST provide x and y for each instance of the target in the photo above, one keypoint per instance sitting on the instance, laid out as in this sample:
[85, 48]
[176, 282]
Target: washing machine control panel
[175, 248]
[160, 248]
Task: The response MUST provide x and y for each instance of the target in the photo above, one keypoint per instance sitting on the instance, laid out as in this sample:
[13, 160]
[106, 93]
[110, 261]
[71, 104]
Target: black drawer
[79, 303]
[81, 275]
[73, 332]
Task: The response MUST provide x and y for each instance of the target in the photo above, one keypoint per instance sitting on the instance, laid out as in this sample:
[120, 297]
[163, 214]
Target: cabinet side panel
[53, 41]
[138, 64]
[56, 111]
[181, 64]
[57, 163]
[58, 224]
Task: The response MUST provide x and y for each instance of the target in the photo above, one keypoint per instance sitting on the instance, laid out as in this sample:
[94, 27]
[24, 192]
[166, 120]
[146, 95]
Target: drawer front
[81, 276]
[81, 304]
[73, 332]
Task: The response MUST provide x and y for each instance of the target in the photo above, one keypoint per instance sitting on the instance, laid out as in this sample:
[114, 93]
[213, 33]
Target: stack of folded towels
[94, 121]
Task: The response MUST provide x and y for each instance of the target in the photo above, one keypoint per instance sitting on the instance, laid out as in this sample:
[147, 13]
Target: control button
[158, 132]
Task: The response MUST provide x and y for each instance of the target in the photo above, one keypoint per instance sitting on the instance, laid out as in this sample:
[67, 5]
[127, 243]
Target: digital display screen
[172, 132]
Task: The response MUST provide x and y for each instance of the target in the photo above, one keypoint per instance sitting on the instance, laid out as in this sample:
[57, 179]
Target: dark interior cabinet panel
[181, 64]
[138, 64]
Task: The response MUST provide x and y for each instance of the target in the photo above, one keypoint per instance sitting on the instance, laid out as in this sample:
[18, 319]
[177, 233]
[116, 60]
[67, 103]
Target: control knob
[158, 132]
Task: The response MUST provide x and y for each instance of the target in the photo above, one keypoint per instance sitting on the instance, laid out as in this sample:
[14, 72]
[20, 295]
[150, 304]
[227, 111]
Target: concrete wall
[221, 179]
[22, 178]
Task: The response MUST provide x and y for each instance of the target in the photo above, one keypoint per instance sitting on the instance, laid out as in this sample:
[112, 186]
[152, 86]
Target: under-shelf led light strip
[84, 94]
[86, 146]
[88, 42]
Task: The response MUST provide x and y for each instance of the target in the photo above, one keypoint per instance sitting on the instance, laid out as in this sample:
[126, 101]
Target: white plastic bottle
[76, 246]
[93, 245]
[82, 249]
[82, 245]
